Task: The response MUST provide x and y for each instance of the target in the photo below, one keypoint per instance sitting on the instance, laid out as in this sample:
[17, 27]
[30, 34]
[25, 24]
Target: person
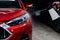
[56, 6]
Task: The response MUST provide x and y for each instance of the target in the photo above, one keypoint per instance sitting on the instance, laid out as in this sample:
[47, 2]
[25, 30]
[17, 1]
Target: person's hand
[56, 5]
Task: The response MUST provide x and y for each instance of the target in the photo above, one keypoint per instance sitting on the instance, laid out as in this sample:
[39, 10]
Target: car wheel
[24, 37]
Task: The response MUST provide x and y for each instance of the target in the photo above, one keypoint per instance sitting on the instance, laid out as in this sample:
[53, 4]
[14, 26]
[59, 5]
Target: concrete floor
[43, 32]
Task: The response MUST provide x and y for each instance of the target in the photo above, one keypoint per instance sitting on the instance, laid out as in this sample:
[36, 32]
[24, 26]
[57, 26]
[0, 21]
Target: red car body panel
[18, 30]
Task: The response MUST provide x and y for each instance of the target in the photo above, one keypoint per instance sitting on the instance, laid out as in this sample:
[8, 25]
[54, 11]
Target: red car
[15, 22]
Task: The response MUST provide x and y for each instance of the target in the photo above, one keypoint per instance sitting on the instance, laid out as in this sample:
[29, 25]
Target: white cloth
[54, 15]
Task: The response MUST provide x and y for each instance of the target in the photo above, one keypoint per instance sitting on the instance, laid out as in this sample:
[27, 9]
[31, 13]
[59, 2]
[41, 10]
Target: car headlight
[18, 20]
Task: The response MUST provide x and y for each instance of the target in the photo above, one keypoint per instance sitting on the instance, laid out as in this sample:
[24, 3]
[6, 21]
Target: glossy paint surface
[17, 31]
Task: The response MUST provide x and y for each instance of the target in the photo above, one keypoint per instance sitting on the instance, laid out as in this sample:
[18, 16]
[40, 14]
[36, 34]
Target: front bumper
[18, 31]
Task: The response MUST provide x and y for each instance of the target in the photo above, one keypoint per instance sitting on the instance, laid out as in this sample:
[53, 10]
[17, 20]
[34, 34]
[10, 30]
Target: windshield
[10, 4]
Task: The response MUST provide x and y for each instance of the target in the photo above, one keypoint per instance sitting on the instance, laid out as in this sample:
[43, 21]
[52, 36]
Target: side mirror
[29, 5]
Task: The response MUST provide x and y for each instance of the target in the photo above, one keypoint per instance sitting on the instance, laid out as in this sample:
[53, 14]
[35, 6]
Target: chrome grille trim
[5, 28]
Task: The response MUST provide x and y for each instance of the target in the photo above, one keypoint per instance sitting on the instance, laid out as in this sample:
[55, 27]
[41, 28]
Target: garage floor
[43, 32]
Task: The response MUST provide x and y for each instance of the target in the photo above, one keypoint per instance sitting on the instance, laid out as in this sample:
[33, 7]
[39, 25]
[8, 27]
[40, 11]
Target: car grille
[4, 33]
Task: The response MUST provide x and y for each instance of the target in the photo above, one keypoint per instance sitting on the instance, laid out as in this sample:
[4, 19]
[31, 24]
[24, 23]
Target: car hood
[7, 14]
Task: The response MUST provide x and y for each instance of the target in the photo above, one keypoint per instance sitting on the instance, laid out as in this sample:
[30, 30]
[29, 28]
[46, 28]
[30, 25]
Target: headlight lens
[18, 20]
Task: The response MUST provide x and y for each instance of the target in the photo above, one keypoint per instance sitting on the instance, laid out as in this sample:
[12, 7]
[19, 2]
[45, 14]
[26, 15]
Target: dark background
[39, 4]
